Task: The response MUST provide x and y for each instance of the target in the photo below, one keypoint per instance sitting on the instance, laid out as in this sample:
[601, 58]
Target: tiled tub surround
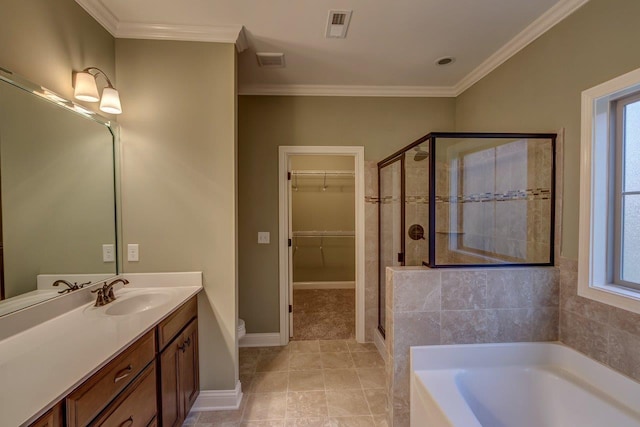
[460, 306]
[42, 364]
[605, 333]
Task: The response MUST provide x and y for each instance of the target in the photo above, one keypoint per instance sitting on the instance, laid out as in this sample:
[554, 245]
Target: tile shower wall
[605, 333]
[502, 206]
[416, 207]
[371, 249]
[461, 306]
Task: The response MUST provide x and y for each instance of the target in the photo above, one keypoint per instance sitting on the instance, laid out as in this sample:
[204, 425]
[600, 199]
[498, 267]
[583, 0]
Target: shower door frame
[284, 154]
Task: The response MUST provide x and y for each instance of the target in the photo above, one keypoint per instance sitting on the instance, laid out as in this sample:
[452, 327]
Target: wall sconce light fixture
[85, 89]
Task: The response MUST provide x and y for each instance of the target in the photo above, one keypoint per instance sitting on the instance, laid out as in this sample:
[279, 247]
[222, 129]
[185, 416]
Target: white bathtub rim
[448, 404]
[550, 355]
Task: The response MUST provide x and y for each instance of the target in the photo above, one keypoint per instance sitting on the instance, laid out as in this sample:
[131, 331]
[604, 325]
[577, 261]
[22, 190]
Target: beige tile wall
[458, 306]
[607, 334]
[371, 249]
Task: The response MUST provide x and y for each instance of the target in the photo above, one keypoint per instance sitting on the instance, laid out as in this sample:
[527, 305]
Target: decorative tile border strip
[529, 194]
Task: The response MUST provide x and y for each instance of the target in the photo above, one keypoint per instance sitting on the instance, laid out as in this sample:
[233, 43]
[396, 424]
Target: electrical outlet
[132, 252]
[264, 237]
[108, 253]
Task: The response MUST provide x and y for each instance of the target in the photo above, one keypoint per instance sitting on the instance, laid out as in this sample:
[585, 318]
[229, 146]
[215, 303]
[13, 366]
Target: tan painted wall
[179, 173]
[45, 40]
[381, 125]
[538, 90]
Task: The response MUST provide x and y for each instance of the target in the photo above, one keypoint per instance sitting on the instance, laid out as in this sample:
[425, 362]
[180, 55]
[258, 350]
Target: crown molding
[534, 30]
[100, 13]
[348, 90]
[219, 34]
[235, 34]
[133, 30]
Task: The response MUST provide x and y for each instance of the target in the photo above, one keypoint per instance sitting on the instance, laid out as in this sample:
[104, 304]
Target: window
[627, 192]
[609, 254]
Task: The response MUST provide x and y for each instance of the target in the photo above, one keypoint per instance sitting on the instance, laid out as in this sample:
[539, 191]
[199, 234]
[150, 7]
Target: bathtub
[518, 385]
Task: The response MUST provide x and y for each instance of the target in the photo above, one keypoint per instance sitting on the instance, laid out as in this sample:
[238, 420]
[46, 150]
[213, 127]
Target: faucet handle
[100, 299]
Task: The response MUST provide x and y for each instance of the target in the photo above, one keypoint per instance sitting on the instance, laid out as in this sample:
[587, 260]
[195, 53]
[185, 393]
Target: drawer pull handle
[127, 422]
[124, 373]
[189, 341]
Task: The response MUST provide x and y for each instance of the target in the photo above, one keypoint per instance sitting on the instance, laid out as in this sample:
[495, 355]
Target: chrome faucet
[70, 287]
[105, 293]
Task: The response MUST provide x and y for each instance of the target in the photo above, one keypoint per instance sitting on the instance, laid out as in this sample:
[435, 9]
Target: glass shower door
[391, 227]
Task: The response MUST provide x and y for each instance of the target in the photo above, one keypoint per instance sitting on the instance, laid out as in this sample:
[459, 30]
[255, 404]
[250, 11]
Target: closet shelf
[324, 234]
[322, 173]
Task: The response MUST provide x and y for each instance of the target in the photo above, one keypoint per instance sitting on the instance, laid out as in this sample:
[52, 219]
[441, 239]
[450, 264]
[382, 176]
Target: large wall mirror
[57, 195]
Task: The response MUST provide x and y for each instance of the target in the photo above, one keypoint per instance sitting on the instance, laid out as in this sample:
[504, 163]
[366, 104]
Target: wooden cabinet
[179, 378]
[53, 418]
[129, 391]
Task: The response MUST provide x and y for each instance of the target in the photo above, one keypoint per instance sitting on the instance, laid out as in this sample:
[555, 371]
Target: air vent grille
[338, 19]
[270, 60]
[338, 23]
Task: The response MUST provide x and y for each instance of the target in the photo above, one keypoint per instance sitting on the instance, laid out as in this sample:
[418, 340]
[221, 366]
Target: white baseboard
[378, 340]
[260, 340]
[323, 285]
[218, 400]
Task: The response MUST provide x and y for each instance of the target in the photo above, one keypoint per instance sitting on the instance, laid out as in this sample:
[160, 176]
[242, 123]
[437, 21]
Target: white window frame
[596, 276]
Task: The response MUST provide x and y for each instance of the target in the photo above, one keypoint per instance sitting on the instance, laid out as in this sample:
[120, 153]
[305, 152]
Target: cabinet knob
[128, 422]
[183, 347]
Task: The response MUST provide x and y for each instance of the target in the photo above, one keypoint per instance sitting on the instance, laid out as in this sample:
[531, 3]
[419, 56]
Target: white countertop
[41, 365]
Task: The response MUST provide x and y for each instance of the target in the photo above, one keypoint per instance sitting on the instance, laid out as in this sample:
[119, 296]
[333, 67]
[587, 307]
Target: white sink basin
[132, 302]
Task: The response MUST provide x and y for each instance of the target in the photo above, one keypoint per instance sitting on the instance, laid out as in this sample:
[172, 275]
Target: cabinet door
[171, 399]
[189, 370]
[179, 376]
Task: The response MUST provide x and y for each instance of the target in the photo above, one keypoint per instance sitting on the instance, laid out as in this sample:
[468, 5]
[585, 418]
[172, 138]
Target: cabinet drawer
[53, 418]
[91, 397]
[172, 325]
[136, 407]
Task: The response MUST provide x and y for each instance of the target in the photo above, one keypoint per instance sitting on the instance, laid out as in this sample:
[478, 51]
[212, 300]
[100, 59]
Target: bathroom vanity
[131, 363]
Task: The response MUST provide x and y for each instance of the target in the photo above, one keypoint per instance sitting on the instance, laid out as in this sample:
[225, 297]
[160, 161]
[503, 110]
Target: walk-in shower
[467, 199]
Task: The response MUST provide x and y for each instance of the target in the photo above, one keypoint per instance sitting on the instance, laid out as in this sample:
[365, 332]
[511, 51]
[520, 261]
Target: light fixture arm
[97, 72]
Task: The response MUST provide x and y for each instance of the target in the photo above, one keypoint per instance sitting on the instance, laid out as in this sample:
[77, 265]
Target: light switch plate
[264, 237]
[132, 252]
[108, 253]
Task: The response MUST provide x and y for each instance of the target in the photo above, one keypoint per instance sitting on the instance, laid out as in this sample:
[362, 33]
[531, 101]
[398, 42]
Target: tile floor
[324, 314]
[307, 383]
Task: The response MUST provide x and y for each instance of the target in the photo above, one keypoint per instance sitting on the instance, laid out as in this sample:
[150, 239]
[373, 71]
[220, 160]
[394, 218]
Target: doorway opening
[321, 243]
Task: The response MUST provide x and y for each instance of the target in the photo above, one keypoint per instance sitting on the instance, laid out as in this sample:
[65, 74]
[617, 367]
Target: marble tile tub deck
[307, 383]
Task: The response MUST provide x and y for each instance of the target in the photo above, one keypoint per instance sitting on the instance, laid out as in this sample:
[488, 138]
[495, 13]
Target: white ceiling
[390, 49]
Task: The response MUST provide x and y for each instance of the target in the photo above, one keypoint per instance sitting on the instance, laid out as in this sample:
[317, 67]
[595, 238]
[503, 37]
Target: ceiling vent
[338, 24]
[270, 60]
